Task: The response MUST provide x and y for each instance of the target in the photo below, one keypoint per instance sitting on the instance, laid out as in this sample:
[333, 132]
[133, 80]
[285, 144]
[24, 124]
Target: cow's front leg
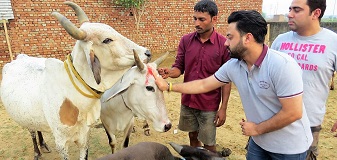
[61, 147]
[83, 151]
[82, 142]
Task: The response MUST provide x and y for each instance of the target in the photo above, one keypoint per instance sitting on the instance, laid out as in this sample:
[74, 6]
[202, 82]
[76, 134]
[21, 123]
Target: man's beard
[202, 31]
[238, 51]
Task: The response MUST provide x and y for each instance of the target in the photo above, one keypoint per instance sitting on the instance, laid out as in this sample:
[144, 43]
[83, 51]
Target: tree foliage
[138, 8]
[130, 3]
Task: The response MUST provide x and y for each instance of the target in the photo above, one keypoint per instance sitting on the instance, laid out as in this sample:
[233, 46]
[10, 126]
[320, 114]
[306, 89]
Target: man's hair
[207, 6]
[249, 21]
[314, 4]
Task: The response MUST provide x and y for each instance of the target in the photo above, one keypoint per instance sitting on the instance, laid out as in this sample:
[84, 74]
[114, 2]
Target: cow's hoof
[226, 152]
[44, 148]
[100, 125]
[222, 151]
[147, 132]
[37, 156]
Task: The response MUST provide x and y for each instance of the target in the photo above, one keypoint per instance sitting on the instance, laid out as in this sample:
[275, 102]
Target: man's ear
[248, 37]
[316, 13]
[215, 19]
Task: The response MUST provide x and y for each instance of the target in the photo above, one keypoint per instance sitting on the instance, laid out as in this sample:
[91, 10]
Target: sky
[271, 7]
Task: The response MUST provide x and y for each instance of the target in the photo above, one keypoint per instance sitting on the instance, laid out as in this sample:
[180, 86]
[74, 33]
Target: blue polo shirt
[274, 75]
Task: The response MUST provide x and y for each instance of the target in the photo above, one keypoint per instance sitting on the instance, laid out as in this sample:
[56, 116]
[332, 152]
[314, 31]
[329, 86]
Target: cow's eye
[107, 41]
[150, 88]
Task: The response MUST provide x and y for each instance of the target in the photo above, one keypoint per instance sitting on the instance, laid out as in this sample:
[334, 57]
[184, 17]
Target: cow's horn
[82, 17]
[176, 147]
[138, 62]
[69, 27]
[161, 59]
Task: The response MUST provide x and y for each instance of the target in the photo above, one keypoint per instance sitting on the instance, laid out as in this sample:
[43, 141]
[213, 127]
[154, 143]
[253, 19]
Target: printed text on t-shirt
[300, 53]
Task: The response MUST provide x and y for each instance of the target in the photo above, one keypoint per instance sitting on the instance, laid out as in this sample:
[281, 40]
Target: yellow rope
[94, 94]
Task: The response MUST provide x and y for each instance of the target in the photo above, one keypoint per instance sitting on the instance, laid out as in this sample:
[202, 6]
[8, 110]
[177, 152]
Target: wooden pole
[7, 39]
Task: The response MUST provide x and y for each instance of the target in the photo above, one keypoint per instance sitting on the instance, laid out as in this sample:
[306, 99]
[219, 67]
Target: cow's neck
[108, 77]
[72, 74]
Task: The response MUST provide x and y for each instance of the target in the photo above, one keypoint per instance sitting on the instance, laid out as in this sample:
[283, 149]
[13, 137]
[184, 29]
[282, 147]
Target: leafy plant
[130, 3]
[137, 7]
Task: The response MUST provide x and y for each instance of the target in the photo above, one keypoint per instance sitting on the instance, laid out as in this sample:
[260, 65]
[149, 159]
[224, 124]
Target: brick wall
[35, 32]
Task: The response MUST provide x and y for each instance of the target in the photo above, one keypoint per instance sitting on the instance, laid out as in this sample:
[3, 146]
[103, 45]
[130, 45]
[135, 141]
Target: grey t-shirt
[275, 75]
[317, 56]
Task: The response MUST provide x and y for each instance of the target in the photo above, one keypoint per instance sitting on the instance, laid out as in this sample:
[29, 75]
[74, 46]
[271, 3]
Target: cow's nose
[167, 127]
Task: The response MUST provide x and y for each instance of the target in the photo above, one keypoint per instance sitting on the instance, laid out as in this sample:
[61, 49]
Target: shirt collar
[263, 54]
[211, 38]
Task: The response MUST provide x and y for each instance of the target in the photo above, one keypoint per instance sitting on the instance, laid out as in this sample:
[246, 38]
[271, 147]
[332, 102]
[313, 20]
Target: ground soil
[15, 142]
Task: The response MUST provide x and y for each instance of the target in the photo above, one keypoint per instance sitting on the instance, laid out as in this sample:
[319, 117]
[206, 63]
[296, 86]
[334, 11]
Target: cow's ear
[110, 95]
[176, 147]
[122, 84]
[96, 69]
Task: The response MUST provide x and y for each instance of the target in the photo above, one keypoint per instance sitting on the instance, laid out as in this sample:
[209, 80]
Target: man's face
[203, 22]
[234, 42]
[299, 16]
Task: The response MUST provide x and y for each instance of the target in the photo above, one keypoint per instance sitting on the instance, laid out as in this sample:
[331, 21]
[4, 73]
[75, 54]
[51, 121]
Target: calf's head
[141, 94]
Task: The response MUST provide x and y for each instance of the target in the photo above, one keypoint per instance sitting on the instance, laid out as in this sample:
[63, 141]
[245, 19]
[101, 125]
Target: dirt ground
[16, 144]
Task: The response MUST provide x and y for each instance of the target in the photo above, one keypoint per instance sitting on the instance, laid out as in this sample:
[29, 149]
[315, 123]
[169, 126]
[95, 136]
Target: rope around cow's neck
[94, 94]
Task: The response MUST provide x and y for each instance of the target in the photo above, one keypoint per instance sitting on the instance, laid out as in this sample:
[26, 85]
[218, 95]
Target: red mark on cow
[149, 73]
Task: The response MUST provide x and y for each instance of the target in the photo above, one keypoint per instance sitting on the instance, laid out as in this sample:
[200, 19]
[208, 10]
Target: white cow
[46, 94]
[135, 94]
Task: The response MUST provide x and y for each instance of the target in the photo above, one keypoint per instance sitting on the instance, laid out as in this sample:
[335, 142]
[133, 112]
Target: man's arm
[174, 72]
[192, 87]
[220, 118]
[290, 112]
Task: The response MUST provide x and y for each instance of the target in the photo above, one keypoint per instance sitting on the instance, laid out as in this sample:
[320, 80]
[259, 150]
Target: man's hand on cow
[161, 83]
[334, 128]
[164, 72]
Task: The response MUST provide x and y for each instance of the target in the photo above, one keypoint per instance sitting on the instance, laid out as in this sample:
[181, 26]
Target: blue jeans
[255, 152]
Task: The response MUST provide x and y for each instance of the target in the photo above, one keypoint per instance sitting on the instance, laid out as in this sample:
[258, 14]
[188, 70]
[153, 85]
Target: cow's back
[22, 89]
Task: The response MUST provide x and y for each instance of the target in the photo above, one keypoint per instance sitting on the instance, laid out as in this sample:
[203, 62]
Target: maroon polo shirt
[197, 60]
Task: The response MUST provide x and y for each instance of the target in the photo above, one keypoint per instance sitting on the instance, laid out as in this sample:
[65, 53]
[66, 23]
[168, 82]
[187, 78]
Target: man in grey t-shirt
[270, 86]
[315, 50]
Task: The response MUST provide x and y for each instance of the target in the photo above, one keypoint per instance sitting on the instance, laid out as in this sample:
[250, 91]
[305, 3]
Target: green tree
[137, 7]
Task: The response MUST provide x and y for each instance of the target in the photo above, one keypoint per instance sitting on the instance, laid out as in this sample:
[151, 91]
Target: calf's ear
[176, 147]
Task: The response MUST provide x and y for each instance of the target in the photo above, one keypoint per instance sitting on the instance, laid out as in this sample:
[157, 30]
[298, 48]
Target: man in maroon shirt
[200, 54]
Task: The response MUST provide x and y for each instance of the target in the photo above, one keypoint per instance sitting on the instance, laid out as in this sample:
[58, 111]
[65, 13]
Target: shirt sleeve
[222, 74]
[275, 45]
[288, 79]
[180, 58]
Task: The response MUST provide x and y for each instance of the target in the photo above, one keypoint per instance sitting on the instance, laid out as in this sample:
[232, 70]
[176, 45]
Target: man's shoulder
[329, 32]
[279, 58]
[286, 34]
[189, 35]
[220, 36]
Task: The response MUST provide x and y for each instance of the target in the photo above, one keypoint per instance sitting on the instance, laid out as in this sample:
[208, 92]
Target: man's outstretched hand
[164, 72]
[161, 83]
